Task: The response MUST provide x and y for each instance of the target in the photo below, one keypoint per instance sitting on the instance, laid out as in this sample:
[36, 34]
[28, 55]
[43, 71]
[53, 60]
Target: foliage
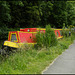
[46, 8]
[16, 14]
[4, 13]
[33, 13]
[47, 39]
[4, 32]
[71, 12]
[22, 14]
[66, 32]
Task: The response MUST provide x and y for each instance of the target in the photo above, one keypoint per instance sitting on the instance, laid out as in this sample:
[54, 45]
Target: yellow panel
[61, 29]
[59, 37]
[16, 45]
[57, 29]
[11, 44]
[41, 29]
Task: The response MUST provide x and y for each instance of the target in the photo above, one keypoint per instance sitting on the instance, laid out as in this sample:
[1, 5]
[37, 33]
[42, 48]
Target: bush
[65, 32]
[4, 32]
[50, 38]
[47, 39]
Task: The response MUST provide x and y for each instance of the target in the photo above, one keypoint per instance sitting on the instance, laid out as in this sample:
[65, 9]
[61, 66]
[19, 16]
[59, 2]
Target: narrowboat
[16, 39]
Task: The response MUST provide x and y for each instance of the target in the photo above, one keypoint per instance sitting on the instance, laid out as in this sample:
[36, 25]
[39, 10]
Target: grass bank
[33, 61]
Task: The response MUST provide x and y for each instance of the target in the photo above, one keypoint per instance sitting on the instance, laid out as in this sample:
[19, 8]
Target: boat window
[13, 37]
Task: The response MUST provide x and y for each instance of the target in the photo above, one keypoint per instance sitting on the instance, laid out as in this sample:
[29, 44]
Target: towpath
[64, 63]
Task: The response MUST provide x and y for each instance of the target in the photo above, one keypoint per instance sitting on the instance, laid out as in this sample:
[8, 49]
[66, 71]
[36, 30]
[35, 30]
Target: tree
[15, 7]
[4, 13]
[46, 8]
[71, 12]
[58, 16]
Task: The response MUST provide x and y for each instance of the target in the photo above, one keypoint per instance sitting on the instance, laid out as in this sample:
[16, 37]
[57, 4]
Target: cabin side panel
[27, 37]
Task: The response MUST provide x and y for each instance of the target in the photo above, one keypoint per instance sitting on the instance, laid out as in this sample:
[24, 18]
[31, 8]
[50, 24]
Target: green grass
[32, 61]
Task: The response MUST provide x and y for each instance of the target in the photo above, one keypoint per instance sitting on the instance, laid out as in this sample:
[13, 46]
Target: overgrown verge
[29, 60]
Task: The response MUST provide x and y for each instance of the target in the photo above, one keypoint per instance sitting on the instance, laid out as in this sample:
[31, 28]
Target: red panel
[56, 33]
[29, 29]
[32, 29]
[22, 29]
[26, 37]
[9, 36]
